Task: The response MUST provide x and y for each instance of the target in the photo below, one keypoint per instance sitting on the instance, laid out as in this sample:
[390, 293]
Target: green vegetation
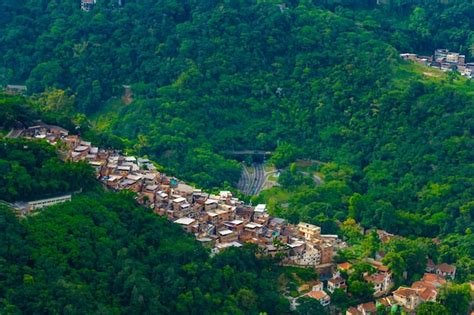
[431, 308]
[101, 253]
[220, 76]
[317, 80]
[211, 76]
[31, 169]
[15, 110]
[456, 298]
[310, 306]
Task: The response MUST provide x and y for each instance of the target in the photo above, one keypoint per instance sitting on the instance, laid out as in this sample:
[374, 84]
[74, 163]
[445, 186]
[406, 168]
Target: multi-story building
[308, 231]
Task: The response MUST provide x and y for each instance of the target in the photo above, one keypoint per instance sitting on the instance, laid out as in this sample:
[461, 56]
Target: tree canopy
[102, 253]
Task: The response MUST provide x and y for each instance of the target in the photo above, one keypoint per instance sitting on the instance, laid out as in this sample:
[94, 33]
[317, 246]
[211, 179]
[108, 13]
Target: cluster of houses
[381, 279]
[444, 60]
[217, 220]
[405, 299]
[220, 221]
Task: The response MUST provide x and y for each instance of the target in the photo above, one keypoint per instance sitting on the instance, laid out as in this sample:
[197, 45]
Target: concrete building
[310, 232]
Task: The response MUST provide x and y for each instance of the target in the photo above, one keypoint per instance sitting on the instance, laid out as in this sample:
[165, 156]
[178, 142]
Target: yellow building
[309, 231]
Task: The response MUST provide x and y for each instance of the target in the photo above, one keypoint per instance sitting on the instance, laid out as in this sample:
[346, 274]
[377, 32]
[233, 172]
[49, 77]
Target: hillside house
[308, 231]
[336, 282]
[381, 282]
[320, 296]
[227, 236]
[260, 208]
[317, 286]
[445, 270]
[363, 309]
[327, 253]
[187, 224]
[407, 297]
[210, 204]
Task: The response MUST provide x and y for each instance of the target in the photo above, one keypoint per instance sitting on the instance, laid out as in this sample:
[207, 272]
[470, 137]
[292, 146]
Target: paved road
[244, 182]
[259, 178]
[252, 184]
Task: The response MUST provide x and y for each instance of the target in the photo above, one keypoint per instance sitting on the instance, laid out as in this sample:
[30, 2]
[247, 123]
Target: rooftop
[225, 232]
[130, 159]
[318, 295]
[226, 245]
[446, 268]
[375, 278]
[404, 291]
[436, 279]
[368, 307]
[134, 177]
[184, 221]
[253, 225]
[336, 280]
[151, 187]
[81, 148]
[344, 266]
[307, 225]
[210, 201]
[179, 200]
[260, 208]
[225, 194]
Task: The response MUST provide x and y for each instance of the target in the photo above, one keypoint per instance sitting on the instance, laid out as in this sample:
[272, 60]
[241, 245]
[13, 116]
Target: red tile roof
[404, 291]
[428, 294]
[344, 266]
[318, 295]
[375, 278]
[433, 278]
[422, 285]
[368, 307]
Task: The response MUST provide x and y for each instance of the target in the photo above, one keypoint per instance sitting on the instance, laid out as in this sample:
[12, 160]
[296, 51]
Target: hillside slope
[298, 79]
[102, 253]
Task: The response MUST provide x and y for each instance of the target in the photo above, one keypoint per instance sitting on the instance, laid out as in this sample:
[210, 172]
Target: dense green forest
[15, 111]
[101, 254]
[32, 169]
[317, 80]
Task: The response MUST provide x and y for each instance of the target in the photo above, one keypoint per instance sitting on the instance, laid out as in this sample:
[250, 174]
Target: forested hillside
[308, 79]
[318, 82]
[103, 254]
[32, 170]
